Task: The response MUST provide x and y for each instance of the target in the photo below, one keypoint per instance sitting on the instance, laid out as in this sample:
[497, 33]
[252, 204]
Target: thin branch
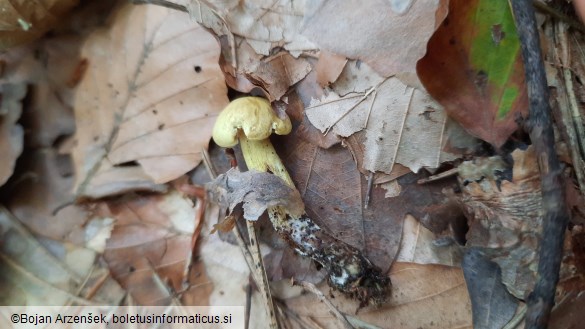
[540, 128]
[311, 288]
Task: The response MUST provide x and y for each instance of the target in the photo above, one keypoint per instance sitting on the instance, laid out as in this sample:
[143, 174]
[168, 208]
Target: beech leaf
[359, 31]
[150, 244]
[403, 125]
[150, 96]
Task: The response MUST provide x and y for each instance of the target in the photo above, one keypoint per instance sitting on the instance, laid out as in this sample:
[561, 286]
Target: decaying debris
[347, 269]
[504, 208]
[251, 120]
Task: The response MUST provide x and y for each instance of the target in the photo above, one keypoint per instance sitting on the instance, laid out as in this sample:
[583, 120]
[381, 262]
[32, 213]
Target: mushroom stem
[261, 156]
[347, 269]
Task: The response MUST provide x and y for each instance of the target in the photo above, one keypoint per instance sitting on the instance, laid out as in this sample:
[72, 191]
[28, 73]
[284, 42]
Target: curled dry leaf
[365, 31]
[23, 21]
[505, 215]
[11, 133]
[150, 95]
[256, 190]
[149, 250]
[403, 125]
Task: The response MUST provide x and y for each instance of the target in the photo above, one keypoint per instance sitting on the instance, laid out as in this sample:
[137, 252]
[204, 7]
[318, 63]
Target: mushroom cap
[252, 115]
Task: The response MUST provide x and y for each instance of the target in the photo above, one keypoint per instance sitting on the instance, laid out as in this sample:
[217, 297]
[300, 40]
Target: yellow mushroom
[251, 121]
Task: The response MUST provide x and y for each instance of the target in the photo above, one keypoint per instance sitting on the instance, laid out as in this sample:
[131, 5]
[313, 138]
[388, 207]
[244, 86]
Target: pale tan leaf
[390, 38]
[423, 296]
[264, 24]
[229, 273]
[403, 125]
[150, 95]
[420, 245]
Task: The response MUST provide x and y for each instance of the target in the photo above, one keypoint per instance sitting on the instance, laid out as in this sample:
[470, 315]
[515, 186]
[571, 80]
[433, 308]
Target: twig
[540, 128]
[566, 100]
[311, 288]
[444, 174]
[544, 8]
[253, 257]
[261, 273]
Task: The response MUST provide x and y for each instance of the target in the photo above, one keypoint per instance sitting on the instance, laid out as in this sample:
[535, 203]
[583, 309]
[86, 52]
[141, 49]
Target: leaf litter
[267, 46]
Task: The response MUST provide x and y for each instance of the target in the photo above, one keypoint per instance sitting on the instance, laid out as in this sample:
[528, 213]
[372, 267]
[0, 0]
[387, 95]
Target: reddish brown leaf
[478, 79]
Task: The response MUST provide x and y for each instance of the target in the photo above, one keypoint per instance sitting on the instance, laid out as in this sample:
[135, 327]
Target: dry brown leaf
[11, 133]
[22, 21]
[334, 193]
[329, 67]
[423, 296]
[150, 95]
[277, 73]
[149, 250]
[402, 124]
[366, 31]
[256, 191]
